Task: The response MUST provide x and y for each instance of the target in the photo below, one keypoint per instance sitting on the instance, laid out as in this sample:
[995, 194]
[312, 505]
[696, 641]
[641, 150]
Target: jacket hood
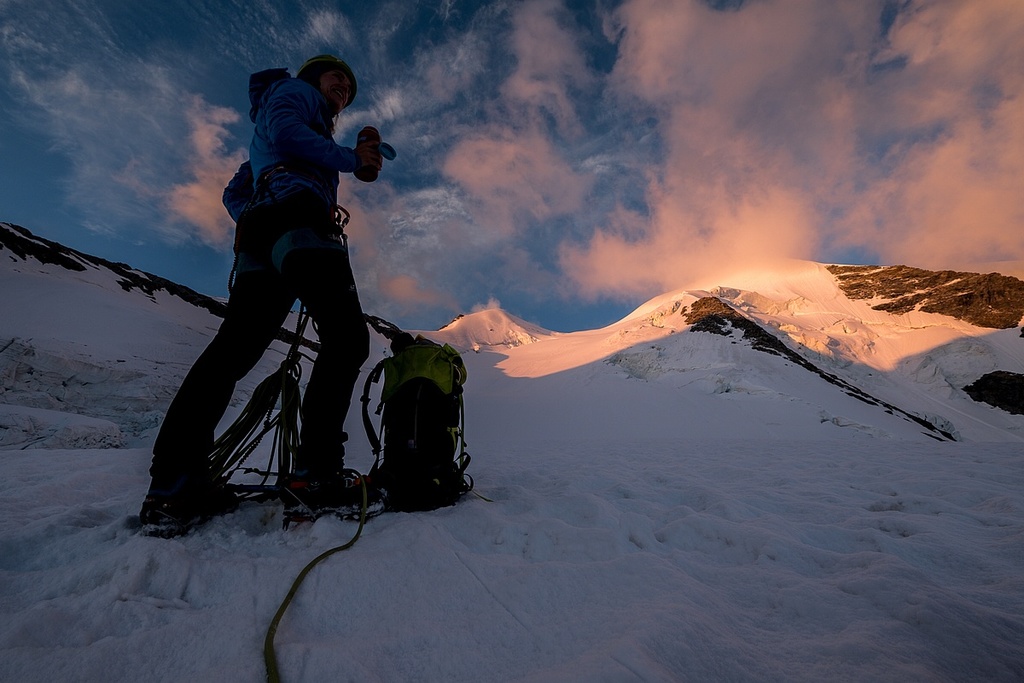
[259, 83]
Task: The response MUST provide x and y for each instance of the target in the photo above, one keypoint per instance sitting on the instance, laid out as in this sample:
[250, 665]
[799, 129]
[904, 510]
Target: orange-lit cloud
[198, 202]
[511, 174]
[794, 128]
[678, 245]
[511, 177]
[952, 195]
[410, 293]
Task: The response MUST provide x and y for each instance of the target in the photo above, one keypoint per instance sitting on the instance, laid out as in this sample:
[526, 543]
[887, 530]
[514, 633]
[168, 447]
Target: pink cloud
[198, 202]
[678, 244]
[772, 118]
[513, 177]
[955, 197]
[409, 293]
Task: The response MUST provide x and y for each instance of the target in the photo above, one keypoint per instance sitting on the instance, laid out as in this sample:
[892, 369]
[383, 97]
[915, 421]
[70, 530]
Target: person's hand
[369, 153]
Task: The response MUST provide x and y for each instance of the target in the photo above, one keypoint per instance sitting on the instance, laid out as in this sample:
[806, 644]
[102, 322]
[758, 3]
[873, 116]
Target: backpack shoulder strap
[371, 434]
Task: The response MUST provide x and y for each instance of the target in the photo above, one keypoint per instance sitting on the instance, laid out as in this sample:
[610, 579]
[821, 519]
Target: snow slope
[663, 505]
[693, 384]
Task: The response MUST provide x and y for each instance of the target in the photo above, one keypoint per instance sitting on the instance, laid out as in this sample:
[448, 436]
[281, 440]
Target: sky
[563, 160]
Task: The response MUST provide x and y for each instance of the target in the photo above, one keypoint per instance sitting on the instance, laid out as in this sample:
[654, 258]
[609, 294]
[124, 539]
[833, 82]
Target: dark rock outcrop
[715, 316]
[712, 315]
[1000, 389]
[990, 300]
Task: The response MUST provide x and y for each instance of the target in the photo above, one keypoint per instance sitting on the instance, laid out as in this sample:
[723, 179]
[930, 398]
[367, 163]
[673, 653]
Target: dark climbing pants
[321, 278]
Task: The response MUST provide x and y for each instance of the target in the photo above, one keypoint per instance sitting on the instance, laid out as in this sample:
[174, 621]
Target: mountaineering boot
[307, 497]
[176, 510]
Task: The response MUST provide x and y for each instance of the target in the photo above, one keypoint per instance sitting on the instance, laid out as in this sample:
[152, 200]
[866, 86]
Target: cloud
[103, 131]
[950, 194]
[549, 63]
[452, 68]
[118, 104]
[118, 127]
[411, 293]
[748, 139]
[546, 152]
[492, 304]
[326, 27]
[639, 255]
[506, 181]
[511, 179]
[198, 201]
[796, 128]
[120, 164]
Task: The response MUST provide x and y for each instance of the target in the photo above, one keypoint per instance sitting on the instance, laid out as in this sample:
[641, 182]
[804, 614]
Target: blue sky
[566, 160]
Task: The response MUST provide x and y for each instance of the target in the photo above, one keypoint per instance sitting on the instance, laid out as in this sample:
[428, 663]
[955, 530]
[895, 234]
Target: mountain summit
[492, 327]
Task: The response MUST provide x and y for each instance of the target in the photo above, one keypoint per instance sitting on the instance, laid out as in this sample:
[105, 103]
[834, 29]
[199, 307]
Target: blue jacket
[292, 130]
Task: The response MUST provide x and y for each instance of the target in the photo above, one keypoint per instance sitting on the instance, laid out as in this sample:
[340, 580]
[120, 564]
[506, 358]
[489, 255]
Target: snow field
[648, 560]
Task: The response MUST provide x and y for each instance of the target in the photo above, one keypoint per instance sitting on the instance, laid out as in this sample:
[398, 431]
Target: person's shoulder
[296, 88]
[294, 94]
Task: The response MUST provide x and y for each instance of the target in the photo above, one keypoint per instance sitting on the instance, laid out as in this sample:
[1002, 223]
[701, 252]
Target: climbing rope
[260, 416]
[245, 434]
[269, 658]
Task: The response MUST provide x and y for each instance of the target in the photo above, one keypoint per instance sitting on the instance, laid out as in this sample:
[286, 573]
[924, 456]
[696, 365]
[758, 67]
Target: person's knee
[227, 358]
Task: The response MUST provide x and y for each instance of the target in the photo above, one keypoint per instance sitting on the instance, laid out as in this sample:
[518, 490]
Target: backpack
[424, 459]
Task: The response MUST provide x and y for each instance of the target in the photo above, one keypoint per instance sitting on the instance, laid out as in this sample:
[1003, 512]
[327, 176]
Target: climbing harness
[338, 216]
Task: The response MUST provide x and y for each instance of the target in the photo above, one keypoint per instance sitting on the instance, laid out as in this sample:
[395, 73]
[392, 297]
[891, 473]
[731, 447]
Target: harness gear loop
[341, 218]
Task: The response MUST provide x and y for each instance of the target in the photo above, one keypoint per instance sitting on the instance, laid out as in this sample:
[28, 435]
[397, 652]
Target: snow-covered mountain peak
[925, 361]
[782, 284]
[491, 327]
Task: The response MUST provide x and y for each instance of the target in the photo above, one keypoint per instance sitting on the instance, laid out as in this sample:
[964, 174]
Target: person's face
[336, 87]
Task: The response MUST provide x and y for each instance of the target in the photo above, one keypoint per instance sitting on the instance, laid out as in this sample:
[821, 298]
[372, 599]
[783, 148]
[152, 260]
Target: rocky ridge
[23, 244]
[986, 300]
[714, 316]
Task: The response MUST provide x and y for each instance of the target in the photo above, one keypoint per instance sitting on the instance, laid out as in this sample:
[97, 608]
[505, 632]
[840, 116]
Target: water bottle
[367, 173]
